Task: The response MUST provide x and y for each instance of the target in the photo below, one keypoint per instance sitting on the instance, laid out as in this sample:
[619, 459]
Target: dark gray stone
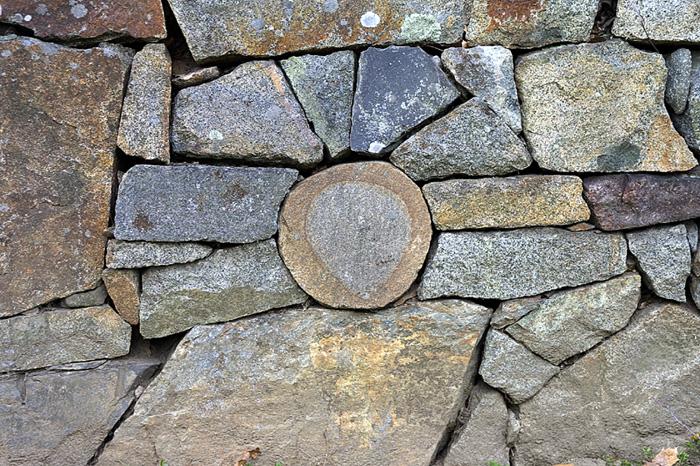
[688, 123]
[94, 297]
[140, 254]
[679, 64]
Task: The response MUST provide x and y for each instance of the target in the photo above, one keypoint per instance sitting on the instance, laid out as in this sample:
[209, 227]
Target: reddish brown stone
[124, 287]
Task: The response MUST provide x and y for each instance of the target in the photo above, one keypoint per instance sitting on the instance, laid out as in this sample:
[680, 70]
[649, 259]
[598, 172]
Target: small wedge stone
[141, 254]
[95, 297]
[679, 64]
[124, 287]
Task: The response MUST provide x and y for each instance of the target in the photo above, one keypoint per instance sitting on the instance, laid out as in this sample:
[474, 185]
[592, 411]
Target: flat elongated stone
[619, 202]
[513, 264]
[688, 123]
[679, 64]
[471, 140]
[249, 114]
[570, 322]
[519, 201]
[200, 203]
[571, 93]
[124, 287]
[61, 336]
[324, 85]
[139, 254]
[256, 383]
[95, 297]
[658, 20]
[229, 284]
[355, 235]
[56, 165]
[398, 88]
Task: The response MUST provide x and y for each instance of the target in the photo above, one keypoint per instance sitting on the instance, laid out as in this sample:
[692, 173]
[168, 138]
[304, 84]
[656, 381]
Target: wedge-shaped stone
[95, 297]
[200, 203]
[250, 114]
[471, 140]
[141, 254]
[60, 336]
[689, 122]
[357, 387]
[519, 201]
[231, 283]
[571, 94]
[673, 21]
[679, 64]
[124, 288]
[517, 263]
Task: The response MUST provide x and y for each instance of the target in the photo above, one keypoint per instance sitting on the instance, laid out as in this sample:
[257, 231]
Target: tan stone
[123, 286]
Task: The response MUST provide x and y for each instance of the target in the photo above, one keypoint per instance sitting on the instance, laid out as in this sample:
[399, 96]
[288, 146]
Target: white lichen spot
[216, 135]
[330, 6]
[6, 53]
[4, 208]
[74, 66]
[419, 27]
[27, 18]
[258, 24]
[41, 9]
[370, 19]
[376, 147]
[78, 10]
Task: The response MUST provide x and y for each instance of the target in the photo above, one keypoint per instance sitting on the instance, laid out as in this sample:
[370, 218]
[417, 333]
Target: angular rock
[94, 297]
[509, 312]
[512, 264]
[124, 287]
[688, 123]
[60, 336]
[145, 123]
[571, 93]
[87, 20]
[679, 64]
[250, 115]
[691, 231]
[215, 28]
[658, 21]
[663, 257]
[471, 140]
[355, 235]
[56, 167]
[200, 203]
[324, 85]
[229, 284]
[512, 368]
[530, 23]
[487, 72]
[139, 254]
[195, 77]
[694, 289]
[256, 383]
[570, 322]
[398, 88]
[626, 394]
[519, 201]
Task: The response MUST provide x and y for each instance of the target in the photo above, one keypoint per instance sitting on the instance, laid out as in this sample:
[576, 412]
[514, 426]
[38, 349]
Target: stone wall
[335, 232]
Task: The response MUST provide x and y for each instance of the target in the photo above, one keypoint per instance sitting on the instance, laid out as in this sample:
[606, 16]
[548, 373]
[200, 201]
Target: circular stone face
[355, 235]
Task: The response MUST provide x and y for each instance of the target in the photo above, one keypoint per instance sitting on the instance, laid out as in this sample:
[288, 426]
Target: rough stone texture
[694, 289]
[487, 72]
[688, 124]
[124, 287]
[355, 235]
[195, 77]
[87, 20]
[512, 368]
[139, 254]
[663, 257]
[94, 297]
[513, 264]
[60, 336]
[530, 23]
[249, 114]
[658, 20]
[519, 201]
[509, 312]
[59, 111]
[471, 140]
[200, 203]
[144, 126]
[324, 85]
[630, 201]
[679, 64]
[231, 283]
[626, 391]
[215, 28]
[398, 88]
[573, 321]
[257, 383]
[571, 93]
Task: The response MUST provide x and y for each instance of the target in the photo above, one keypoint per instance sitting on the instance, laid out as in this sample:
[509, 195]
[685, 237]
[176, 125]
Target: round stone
[355, 235]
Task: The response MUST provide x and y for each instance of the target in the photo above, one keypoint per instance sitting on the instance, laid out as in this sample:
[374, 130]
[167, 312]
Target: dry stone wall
[334, 232]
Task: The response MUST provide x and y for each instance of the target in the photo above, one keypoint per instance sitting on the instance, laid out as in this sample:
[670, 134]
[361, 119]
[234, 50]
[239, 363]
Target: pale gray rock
[196, 76]
[509, 312]
[688, 123]
[679, 64]
[95, 297]
[200, 203]
[229, 284]
[142, 254]
[674, 21]
[691, 229]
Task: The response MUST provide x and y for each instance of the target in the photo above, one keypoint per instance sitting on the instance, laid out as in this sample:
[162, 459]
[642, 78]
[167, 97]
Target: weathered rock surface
[59, 112]
[231, 283]
[471, 140]
[398, 88]
[324, 85]
[215, 28]
[627, 392]
[140, 254]
[145, 122]
[196, 76]
[519, 201]
[663, 257]
[355, 235]
[509, 312]
[124, 287]
[658, 21]
[256, 383]
[694, 289]
[512, 368]
[528, 23]
[630, 201]
[60, 336]
[487, 72]
[570, 322]
[87, 20]
[200, 203]
[513, 264]
[95, 297]
[679, 64]
[250, 114]
[571, 93]
[689, 122]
